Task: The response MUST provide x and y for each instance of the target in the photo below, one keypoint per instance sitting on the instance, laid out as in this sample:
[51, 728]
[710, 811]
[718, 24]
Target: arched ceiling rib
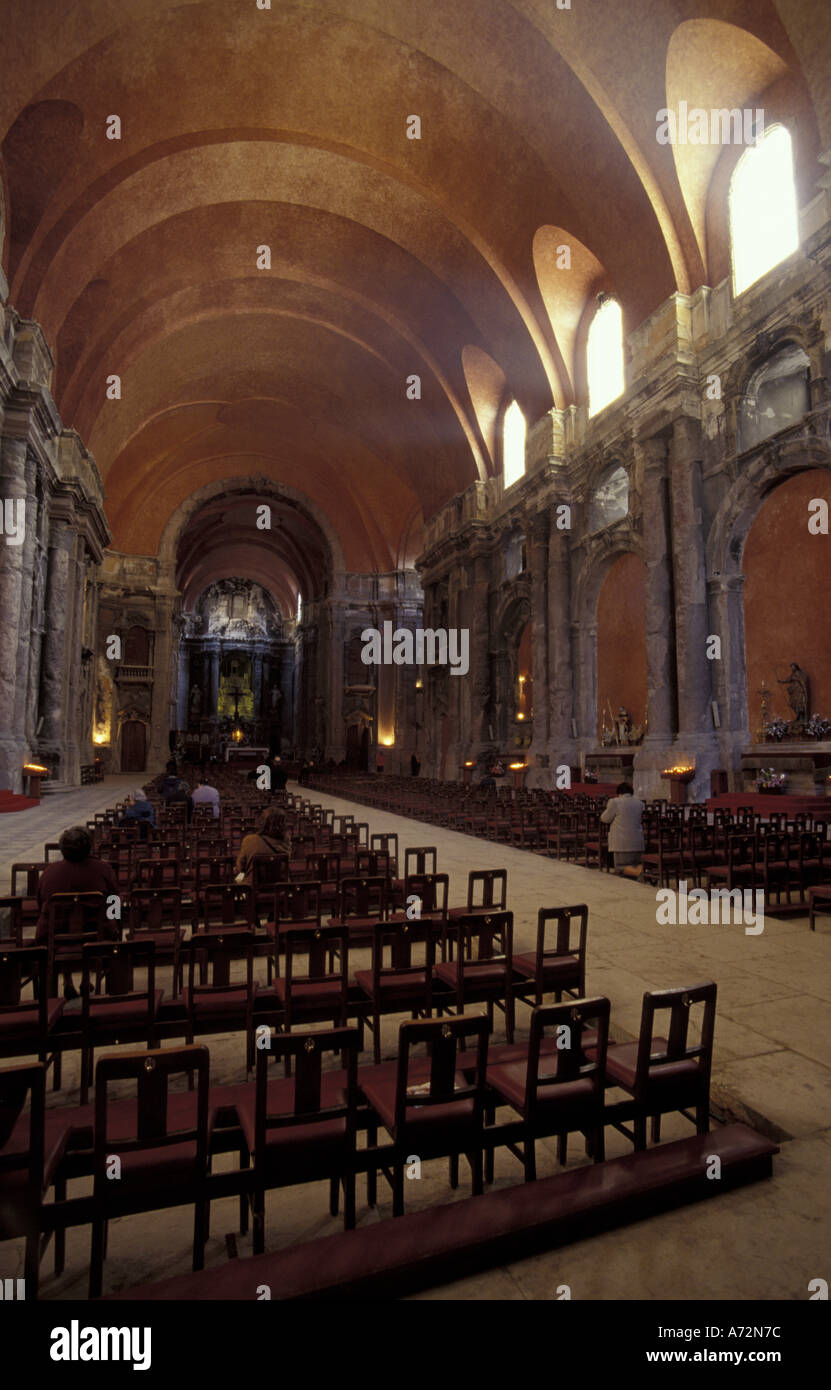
[391, 258]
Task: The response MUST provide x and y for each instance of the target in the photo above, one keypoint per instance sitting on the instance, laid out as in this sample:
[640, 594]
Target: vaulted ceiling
[390, 257]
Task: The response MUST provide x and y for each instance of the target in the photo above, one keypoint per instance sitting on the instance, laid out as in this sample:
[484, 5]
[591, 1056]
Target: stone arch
[600, 553]
[266, 487]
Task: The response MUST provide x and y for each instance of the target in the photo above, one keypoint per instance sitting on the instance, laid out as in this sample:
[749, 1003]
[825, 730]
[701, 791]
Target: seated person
[206, 795]
[624, 816]
[138, 809]
[270, 838]
[174, 790]
[76, 872]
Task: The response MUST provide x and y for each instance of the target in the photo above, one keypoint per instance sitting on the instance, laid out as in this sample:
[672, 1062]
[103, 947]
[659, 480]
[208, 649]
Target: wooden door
[133, 746]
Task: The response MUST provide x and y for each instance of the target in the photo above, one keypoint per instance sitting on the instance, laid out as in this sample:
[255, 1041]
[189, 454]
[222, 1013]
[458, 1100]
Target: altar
[245, 754]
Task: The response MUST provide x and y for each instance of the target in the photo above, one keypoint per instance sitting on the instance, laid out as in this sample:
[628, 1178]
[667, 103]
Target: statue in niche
[796, 685]
[275, 697]
[195, 699]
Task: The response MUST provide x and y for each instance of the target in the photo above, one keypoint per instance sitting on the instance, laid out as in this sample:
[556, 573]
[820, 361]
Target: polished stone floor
[772, 1063]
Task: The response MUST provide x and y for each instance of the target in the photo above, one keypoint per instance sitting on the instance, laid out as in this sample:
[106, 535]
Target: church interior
[415, 649]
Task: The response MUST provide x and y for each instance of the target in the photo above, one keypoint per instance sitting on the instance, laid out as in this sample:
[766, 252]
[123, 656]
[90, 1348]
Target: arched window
[764, 222]
[605, 356]
[300, 608]
[778, 395]
[610, 499]
[513, 445]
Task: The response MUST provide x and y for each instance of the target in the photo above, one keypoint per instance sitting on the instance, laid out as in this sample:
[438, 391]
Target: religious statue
[195, 699]
[276, 697]
[796, 685]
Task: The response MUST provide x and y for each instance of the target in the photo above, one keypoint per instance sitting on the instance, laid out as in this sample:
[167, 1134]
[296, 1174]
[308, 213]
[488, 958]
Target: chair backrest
[159, 873]
[305, 1052]
[320, 945]
[373, 863]
[30, 872]
[17, 1085]
[388, 841]
[297, 902]
[363, 896]
[486, 937]
[19, 967]
[110, 966]
[679, 1002]
[324, 866]
[394, 947]
[73, 917]
[226, 904]
[431, 889]
[269, 869]
[218, 868]
[420, 859]
[11, 921]
[571, 923]
[217, 951]
[152, 1072]
[487, 888]
[566, 1061]
[445, 1039]
[153, 909]
[742, 849]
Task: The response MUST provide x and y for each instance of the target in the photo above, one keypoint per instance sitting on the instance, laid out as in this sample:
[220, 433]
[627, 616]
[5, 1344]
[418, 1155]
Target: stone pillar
[479, 676]
[729, 674]
[213, 684]
[654, 755]
[336, 747]
[561, 667]
[183, 709]
[13, 585]
[56, 651]
[159, 750]
[257, 684]
[694, 671]
[537, 542]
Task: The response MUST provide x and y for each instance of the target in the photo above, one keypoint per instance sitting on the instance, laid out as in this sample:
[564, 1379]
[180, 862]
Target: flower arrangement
[777, 728]
[589, 776]
[769, 780]
[818, 727]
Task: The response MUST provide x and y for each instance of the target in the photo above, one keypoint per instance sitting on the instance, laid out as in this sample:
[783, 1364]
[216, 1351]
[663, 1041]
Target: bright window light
[513, 445]
[299, 607]
[605, 356]
[764, 222]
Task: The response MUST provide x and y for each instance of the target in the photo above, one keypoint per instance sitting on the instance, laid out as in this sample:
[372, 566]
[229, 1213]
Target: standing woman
[624, 816]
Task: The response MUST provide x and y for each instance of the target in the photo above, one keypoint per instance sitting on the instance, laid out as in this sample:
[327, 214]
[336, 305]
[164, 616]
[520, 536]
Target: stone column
[694, 670]
[257, 684]
[537, 542]
[729, 674]
[561, 665]
[183, 711]
[54, 676]
[654, 755]
[159, 750]
[13, 585]
[479, 676]
[213, 683]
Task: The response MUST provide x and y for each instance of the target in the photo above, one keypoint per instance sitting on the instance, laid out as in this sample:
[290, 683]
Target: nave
[775, 1079]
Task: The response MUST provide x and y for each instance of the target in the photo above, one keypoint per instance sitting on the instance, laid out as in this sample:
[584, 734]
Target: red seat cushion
[476, 973]
[229, 1002]
[127, 1013]
[554, 968]
[403, 984]
[509, 1081]
[291, 1146]
[25, 1023]
[622, 1059]
[432, 1120]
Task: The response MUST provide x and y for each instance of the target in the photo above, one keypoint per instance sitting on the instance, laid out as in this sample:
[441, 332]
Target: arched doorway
[133, 746]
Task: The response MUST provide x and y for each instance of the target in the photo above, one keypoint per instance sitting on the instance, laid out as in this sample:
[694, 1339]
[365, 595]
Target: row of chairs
[440, 1098]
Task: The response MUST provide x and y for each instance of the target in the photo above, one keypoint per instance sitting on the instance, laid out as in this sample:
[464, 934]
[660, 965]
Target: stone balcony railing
[134, 673]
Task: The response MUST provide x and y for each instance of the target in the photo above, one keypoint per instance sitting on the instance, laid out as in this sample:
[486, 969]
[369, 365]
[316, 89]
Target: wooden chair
[321, 993]
[397, 982]
[218, 1004]
[33, 1143]
[558, 1089]
[556, 968]
[114, 1009]
[161, 1140]
[302, 1129]
[428, 1107]
[664, 1074]
[26, 1022]
[482, 971]
[155, 914]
